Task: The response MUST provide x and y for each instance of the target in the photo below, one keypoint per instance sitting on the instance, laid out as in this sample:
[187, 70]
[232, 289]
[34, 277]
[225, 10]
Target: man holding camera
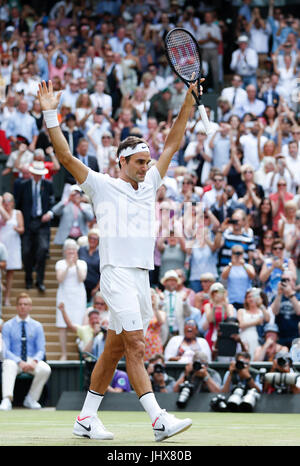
[240, 373]
[268, 350]
[160, 380]
[202, 378]
[286, 308]
[282, 378]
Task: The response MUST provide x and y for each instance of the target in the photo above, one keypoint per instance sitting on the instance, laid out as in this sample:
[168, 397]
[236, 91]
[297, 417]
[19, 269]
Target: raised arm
[175, 136]
[49, 103]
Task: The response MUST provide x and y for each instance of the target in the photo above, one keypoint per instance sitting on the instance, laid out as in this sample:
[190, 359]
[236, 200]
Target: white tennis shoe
[6, 405]
[91, 427]
[166, 425]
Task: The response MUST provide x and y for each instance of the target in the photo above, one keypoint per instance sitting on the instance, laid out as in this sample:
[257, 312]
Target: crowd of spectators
[228, 211]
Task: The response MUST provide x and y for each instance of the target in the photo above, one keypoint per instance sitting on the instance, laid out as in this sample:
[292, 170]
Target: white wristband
[50, 117]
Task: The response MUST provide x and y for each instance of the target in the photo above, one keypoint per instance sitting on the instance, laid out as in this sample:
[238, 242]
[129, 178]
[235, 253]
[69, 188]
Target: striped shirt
[229, 240]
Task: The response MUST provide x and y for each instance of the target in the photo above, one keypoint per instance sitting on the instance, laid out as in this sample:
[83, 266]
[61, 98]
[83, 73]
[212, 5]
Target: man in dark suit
[268, 93]
[35, 200]
[82, 154]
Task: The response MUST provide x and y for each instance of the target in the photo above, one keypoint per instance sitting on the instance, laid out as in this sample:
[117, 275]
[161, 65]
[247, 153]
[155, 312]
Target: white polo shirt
[126, 218]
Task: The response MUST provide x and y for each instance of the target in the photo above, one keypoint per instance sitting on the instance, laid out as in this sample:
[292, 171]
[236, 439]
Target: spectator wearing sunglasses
[286, 308]
[273, 268]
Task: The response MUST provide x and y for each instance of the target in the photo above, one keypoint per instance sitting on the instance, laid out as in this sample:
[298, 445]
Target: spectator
[11, 229]
[120, 382]
[235, 376]
[174, 305]
[248, 192]
[270, 347]
[84, 109]
[274, 267]
[215, 311]
[75, 213]
[203, 380]
[24, 351]
[259, 33]
[71, 132]
[160, 380]
[211, 195]
[282, 364]
[85, 333]
[100, 305]
[182, 348]
[70, 274]
[100, 99]
[203, 255]
[19, 158]
[287, 222]
[173, 253]
[235, 94]
[249, 144]
[202, 297]
[251, 104]
[197, 156]
[235, 233]
[153, 341]
[244, 61]
[262, 219]
[220, 145]
[239, 277]
[278, 199]
[35, 200]
[209, 37]
[90, 254]
[249, 317]
[105, 151]
[286, 308]
[23, 124]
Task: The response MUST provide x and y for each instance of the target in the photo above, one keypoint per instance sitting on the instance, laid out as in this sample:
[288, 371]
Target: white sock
[91, 403]
[150, 405]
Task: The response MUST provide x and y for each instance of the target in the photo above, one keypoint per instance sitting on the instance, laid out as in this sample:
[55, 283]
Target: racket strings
[183, 54]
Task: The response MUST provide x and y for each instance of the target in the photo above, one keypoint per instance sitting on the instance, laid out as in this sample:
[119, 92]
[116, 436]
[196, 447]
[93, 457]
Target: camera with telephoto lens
[186, 391]
[218, 403]
[281, 381]
[158, 369]
[242, 399]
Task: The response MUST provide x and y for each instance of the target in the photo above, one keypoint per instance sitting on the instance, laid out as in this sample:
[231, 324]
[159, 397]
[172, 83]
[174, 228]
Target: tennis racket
[184, 57]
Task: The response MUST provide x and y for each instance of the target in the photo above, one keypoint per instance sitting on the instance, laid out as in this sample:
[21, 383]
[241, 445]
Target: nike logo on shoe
[86, 428]
[162, 429]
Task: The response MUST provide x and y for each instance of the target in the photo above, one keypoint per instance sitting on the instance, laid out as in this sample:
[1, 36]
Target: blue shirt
[23, 124]
[11, 333]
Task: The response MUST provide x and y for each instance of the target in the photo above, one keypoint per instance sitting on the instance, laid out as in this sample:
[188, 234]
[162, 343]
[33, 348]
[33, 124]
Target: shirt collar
[18, 319]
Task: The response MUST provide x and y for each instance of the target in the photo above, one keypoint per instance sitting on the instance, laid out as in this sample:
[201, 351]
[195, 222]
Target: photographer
[286, 308]
[240, 373]
[202, 378]
[280, 378]
[160, 380]
[268, 350]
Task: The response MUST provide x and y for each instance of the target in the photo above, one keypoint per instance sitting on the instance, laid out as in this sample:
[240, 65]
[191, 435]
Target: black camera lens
[282, 361]
[159, 369]
[240, 365]
[197, 365]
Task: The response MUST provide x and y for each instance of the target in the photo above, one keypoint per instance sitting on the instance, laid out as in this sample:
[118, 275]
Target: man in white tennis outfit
[125, 212]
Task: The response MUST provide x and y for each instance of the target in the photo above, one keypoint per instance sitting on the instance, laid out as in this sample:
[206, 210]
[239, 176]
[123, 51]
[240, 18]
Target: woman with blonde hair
[216, 310]
[70, 274]
[11, 229]
[248, 191]
[84, 109]
[287, 222]
[250, 317]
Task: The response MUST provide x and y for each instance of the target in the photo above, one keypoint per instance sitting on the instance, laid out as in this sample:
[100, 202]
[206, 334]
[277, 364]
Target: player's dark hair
[130, 141]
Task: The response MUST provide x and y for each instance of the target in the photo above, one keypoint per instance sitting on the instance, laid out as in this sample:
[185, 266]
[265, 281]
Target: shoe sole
[176, 432]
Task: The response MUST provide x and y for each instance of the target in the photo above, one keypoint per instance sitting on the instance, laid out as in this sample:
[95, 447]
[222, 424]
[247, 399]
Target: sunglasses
[281, 184]
[238, 253]
[277, 247]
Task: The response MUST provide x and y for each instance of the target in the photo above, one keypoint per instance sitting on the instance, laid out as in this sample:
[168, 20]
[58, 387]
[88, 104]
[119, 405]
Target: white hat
[38, 168]
[216, 287]
[169, 274]
[243, 38]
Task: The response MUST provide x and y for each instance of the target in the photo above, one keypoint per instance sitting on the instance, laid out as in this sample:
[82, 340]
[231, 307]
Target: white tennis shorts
[127, 293]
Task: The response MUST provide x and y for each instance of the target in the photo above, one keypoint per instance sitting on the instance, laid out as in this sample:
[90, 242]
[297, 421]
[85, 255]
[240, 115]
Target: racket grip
[205, 120]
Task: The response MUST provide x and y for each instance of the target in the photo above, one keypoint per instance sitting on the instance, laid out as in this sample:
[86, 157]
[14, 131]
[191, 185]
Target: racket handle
[205, 120]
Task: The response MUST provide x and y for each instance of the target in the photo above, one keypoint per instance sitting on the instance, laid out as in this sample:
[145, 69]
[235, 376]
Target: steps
[44, 305]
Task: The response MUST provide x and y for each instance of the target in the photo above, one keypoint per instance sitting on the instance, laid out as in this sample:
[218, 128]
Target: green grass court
[48, 427]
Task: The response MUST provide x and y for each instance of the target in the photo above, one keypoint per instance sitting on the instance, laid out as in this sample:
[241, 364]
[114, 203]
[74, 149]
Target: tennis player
[125, 212]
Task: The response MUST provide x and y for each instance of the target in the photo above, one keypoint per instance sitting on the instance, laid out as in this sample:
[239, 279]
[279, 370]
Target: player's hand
[48, 99]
